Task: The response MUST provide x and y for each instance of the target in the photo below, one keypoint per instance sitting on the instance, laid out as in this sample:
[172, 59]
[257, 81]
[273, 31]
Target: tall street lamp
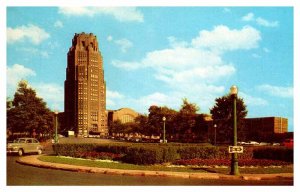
[55, 139]
[215, 126]
[164, 120]
[234, 160]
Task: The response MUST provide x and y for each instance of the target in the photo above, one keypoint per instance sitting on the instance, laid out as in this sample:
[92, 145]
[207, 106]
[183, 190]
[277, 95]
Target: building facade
[85, 89]
[266, 128]
[261, 129]
[125, 115]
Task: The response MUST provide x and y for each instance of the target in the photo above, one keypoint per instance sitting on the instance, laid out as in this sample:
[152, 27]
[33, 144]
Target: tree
[141, 124]
[115, 127]
[186, 118]
[155, 122]
[28, 113]
[222, 115]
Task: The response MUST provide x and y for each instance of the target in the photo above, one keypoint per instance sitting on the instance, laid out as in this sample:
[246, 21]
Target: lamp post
[164, 120]
[215, 126]
[55, 139]
[234, 160]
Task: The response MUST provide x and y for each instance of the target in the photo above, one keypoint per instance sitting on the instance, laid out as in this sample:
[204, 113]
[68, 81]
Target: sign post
[235, 149]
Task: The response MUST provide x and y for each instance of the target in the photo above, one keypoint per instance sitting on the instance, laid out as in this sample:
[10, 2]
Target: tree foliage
[186, 118]
[180, 125]
[28, 113]
[222, 114]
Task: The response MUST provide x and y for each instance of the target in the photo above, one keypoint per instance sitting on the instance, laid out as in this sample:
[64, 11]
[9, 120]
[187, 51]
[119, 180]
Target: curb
[33, 161]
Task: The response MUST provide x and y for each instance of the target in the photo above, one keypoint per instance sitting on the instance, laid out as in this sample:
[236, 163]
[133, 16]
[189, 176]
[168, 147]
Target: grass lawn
[111, 165]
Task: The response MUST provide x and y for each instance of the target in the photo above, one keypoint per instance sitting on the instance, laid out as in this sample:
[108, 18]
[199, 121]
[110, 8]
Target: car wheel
[39, 151]
[20, 152]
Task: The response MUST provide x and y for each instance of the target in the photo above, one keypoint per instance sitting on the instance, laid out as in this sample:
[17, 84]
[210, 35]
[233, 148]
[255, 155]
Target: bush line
[142, 154]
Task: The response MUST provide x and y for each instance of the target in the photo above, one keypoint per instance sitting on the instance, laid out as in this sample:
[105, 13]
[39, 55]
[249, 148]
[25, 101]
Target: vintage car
[21, 146]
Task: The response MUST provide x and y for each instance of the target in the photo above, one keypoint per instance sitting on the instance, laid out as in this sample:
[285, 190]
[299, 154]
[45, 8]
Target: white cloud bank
[32, 33]
[196, 69]
[122, 14]
[221, 38]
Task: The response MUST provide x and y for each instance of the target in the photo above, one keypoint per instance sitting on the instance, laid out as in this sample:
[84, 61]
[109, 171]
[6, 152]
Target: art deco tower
[85, 89]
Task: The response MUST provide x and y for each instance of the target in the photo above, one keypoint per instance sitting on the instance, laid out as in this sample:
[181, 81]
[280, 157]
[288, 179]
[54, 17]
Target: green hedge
[138, 153]
[274, 153]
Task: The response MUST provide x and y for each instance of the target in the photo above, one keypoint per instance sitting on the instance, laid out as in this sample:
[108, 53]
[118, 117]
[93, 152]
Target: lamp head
[233, 90]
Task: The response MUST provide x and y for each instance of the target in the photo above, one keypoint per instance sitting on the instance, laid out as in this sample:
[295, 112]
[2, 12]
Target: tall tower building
[85, 89]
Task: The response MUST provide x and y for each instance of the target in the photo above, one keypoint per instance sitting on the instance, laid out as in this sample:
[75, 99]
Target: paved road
[26, 175]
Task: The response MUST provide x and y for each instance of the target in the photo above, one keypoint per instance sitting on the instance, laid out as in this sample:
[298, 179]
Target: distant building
[267, 129]
[85, 89]
[125, 115]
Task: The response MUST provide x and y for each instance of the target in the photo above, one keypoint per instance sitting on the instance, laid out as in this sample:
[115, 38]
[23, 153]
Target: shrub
[275, 153]
[72, 149]
[198, 152]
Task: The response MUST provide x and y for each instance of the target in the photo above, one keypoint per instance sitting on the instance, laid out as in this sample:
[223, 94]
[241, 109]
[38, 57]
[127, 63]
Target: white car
[252, 143]
[25, 145]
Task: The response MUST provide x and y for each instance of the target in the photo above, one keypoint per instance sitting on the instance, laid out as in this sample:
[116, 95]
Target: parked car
[276, 144]
[288, 143]
[24, 145]
[252, 143]
[264, 143]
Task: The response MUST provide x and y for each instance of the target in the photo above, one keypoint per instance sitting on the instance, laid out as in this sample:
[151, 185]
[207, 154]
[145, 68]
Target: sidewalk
[32, 160]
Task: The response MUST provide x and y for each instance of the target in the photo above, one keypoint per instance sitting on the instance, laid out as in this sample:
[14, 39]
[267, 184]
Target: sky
[160, 55]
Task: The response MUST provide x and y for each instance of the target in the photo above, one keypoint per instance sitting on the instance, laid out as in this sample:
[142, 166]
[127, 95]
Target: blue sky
[159, 55]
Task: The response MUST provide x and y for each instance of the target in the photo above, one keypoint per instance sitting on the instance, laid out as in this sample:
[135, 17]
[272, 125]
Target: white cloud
[122, 14]
[58, 24]
[52, 94]
[221, 39]
[248, 17]
[253, 101]
[266, 23]
[260, 21]
[109, 38]
[32, 33]
[124, 44]
[201, 94]
[128, 66]
[175, 43]
[16, 73]
[114, 94]
[34, 51]
[255, 55]
[112, 98]
[278, 91]
[159, 99]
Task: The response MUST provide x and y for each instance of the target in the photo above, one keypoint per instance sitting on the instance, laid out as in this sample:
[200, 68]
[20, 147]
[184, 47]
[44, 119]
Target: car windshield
[19, 141]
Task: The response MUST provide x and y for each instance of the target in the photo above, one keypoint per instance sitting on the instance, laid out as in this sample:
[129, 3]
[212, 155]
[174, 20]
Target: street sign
[235, 149]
